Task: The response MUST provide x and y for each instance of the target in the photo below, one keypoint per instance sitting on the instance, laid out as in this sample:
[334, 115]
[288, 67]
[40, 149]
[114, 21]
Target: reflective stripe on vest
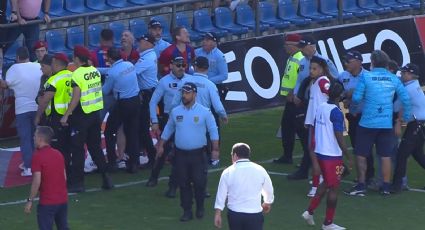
[92, 90]
[290, 76]
[61, 81]
[88, 80]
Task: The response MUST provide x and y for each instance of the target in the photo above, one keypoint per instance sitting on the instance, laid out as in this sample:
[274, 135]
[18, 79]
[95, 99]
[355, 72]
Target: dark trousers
[31, 34]
[191, 169]
[125, 112]
[47, 214]
[61, 140]
[302, 132]
[85, 129]
[411, 144]
[291, 124]
[245, 221]
[353, 123]
[145, 137]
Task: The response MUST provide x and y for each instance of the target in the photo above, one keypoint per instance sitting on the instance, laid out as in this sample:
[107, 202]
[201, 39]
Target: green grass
[138, 207]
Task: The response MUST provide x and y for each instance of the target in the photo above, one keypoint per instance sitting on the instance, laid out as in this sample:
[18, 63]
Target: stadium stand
[268, 16]
[98, 5]
[330, 7]
[118, 27]
[350, 6]
[119, 3]
[288, 12]
[166, 29]
[56, 41]
[372, 5]
[202, 22]
[94, 34]
[245, 17]
[415, 4]
[74, 36]
[57, 9]
[396, 6]
[224, 20]
[183, 20]
[76, 6]
[138, 27]
[310, 9]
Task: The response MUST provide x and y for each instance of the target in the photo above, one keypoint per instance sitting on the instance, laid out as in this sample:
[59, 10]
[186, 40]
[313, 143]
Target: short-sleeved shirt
[171, 52]
[133, 57]
[29, 9]
[51, 164]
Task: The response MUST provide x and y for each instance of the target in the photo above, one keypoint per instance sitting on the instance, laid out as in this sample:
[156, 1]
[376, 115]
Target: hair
[176, 32]
[22, 53]
[241, 150]
[114, 53]
[61, 62]
[83, 59]
[107, 34]
[322, 63]
[45, 132]
[335, 90]
[379, 59]
[393, 66]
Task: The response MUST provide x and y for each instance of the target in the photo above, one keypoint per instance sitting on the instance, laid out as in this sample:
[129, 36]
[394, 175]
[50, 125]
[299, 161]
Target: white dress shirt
[243, 184]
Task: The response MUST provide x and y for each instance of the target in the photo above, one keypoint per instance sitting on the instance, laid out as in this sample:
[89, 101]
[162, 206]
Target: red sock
[316, 180]
[330, 213]
[314, 203]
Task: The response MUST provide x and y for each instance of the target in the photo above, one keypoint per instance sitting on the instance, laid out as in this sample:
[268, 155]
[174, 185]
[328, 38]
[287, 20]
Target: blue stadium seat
[119, 3]
[142, 2]
[57, 8]
[310, 9]
[268, 15]
[202, 22]
[94, 34]
[166, 34]
[56, 41]
[330, 7]
[396, 6]
[288, 12]
[351, 6]
[118, 27]
[98, 5]
[183, 20]
[224, 20]
[74, 36]
[245, 17]
[138, 27]
[76, 6]
[415, 4]
[372, 5]
[10, 55]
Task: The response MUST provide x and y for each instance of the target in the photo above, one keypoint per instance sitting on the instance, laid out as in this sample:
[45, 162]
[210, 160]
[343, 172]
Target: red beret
[62, 57]
[39, 44]
[81, 51]
[293, 38]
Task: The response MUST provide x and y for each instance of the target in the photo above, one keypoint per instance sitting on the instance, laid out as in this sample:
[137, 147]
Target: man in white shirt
[243, 184]
[24, 79]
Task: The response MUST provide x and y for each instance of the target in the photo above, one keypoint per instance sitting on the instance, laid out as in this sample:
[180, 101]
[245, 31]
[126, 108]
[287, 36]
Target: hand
[215, 154]
[346, 103]
[297, 101]
[156, 130]
[397, 128]
[64, 120]
[28, 207]
[47, 18]
[290, 97]
[217, 220]
[159, 151]
[266, 208]
[21, 21]
[225, 120]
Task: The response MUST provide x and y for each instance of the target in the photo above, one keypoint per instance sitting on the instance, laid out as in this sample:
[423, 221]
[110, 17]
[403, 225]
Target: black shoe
[152, 182]
[282, 160]
[200, 213]
[187, 215]
[171, 192]
[297, 176]
[106, 182]
[207, 194]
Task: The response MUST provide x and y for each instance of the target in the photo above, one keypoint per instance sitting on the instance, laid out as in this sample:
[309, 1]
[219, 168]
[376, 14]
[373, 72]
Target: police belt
[193, 151]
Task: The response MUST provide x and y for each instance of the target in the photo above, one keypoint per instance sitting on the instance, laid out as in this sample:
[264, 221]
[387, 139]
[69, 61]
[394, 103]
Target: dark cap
[81, 51]
[202, 62]
[318, 60]
[40, 44]
[47, 59]
[353, 54]
[148, 38]
[178, 59]
[62, 57]
[154, 23]
[211, 36]
[306, 40]
[293, 38]
[411, 68]
[189, 87]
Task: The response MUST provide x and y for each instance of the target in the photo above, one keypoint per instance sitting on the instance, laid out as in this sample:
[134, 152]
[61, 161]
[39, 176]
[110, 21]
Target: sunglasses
[180, 65]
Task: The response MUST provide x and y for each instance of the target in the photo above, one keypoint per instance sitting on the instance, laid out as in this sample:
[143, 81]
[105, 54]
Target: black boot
[187, 215]
[152, 182]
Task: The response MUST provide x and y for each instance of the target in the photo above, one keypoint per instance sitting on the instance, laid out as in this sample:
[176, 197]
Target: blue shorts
[367, 137]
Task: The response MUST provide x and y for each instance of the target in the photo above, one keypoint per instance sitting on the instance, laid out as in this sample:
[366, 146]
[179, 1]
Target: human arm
[46, 10]
[359, 91]
[222, 69]
[216, 103]
[337, 119]
[35, 186]
[214, 136]
[16, 15]
[332, 69]
[267, 193]
[43, 103]
[169, 129]
[75, 100]
[3, 84]
[220, 199]
[403, 95]
[108, 86]
[156, 97]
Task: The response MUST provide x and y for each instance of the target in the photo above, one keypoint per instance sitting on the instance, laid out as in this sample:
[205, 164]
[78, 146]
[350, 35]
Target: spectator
[98, 55]
[49, 178]
[40, 49]
[24, 79]
[128, 52]
[155, 29]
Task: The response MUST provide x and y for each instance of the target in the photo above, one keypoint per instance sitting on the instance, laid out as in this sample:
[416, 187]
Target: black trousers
[61, 140]
[145, 137]
[191, 169]
[245, 221]
[85, 129]
[302, 132]
[292, 123]
[411, 144]
[47, 215]
[125, 112]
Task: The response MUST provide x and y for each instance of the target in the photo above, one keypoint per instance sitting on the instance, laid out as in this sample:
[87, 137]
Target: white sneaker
[89, 165]
[308, 218]
[121, 164]
[332, 227]
[320, 180]
[143, 160]
[26, 172]
[312, 192]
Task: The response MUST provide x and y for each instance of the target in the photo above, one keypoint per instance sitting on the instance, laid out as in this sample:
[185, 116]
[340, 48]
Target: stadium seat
[415, 4]
[10, 55]
[310, 9]
[138, 27]
[76, 6]
[118, 27]
[202, 22]
[94, 34]
[98, 5]
[351, 6]
[372, 5]
[288, 12]
[142, 2]
[268, 15]
[224, 20]
[396, 6]
[183, 20]
[119, 3]
[166, 34]
[330, 7]
[56, 41]
[57, 9]
[74, 36]
[245, 17]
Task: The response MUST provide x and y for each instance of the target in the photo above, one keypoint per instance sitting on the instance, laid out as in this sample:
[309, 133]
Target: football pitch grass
[131, 205]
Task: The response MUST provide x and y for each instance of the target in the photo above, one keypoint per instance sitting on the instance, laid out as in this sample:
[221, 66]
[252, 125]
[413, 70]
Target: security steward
[190, 122]
[288, 125]
[147, 77]
[86, 103]
[413, 139]
[166, 89]
[122, 83]
[54, 102]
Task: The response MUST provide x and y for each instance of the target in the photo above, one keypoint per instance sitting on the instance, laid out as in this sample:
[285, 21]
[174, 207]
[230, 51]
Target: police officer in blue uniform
[190, 122]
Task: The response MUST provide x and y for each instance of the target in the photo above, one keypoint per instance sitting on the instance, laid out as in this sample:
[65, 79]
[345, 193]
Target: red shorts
[331, 171]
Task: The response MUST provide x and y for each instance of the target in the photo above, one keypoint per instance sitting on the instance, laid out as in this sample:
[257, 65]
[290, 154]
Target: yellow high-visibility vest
[290, 76]
[88, 79]
[62, 83]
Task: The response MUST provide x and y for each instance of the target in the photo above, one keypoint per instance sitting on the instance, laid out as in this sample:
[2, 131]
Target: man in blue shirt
[122, 82]
[190, 122]
[155, 29]
[376, 89]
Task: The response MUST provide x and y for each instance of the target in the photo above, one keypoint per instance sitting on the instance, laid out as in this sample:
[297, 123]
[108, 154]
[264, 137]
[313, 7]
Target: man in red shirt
[128, 52]
[49, 177]
[98, 55]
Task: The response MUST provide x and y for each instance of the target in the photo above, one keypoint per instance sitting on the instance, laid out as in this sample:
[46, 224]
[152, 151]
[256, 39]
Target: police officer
[147, 77]
[86, 103]
[190, 122]
[414, 136]
[55, 101]
[155, 30]
[122, 82]
[288, 123]
[166, 89]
